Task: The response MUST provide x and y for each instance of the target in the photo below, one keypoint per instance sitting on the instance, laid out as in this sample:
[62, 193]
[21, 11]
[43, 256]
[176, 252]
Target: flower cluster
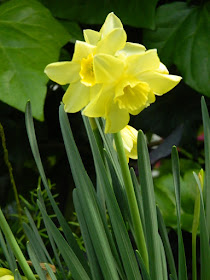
[111, 78]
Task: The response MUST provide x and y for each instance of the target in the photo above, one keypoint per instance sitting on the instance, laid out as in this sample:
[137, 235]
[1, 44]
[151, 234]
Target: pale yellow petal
[107, 68]
[116, 118]
[76, 97]
[111, 22]
[91, 36]
[7, 277]
[162, 69]
[159, 83]
[131, 49]
[63, 72]
[139, 63]
[113, 42]
[82, 50]
[97, 106]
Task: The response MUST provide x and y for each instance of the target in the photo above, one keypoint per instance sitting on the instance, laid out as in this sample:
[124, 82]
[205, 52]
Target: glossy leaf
[182, 38]
[30, 38]
[136, 13]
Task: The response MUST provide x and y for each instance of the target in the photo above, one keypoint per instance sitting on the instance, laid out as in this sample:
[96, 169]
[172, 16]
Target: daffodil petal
[7, 277]
[91, 36]
[76, 97]
[82, 50]
[111, 22]
[113, 42]
[63, 72]
[162, 69]
[116, 118]
[97, 107]
[107, 68]
[159, 83]
[131, 49]
[5, 271]
[142, 62]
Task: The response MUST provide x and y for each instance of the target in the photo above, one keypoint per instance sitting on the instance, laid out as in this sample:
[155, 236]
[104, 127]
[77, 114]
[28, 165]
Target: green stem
[16, 249]
[133, 206]
[9, 166]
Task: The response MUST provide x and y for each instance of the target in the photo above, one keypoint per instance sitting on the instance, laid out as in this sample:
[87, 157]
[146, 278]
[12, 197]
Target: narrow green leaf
[38, 250]
[204, 237]
[15, 247]
[49, 270]
[144, 272]
[83, 182]
[182, 273]
[71, 260]
[92, 258]
[35, 150]
[37, 236]
[9, 256]
[35, 261]
[206, 126]
[121, 235]
[166, 244]
[149, 206]
[163, 259]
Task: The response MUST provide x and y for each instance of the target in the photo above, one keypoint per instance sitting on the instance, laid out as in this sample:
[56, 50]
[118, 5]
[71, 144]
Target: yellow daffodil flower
[6, 274]
[110, 77]
[129, 137]
[143, 77]
[93, 61]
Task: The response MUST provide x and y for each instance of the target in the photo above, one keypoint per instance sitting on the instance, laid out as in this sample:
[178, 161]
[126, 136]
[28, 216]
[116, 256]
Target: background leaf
[30, 38]
[136, 13]
[182, 38]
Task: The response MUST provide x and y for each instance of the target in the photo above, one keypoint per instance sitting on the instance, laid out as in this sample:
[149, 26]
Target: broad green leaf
[182, 37]
[30, 38]
[164, 193]
[135, 13]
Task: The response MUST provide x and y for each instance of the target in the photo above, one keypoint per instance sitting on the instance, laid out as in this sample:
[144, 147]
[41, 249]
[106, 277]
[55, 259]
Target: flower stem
[15, 248]
[9, 166]
[133, 206]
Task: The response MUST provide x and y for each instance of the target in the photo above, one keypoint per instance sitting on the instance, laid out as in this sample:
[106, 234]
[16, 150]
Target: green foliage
[182, 38]
[30, 39]
[164, 193]
[137, 13]
[104, 226]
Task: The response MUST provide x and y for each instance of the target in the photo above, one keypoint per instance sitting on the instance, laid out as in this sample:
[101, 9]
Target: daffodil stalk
[15, 247]
[133, 206]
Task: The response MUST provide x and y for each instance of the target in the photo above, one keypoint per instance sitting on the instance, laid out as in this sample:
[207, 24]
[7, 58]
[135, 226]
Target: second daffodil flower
[6, 274]
[111, 78]
[129, 138]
